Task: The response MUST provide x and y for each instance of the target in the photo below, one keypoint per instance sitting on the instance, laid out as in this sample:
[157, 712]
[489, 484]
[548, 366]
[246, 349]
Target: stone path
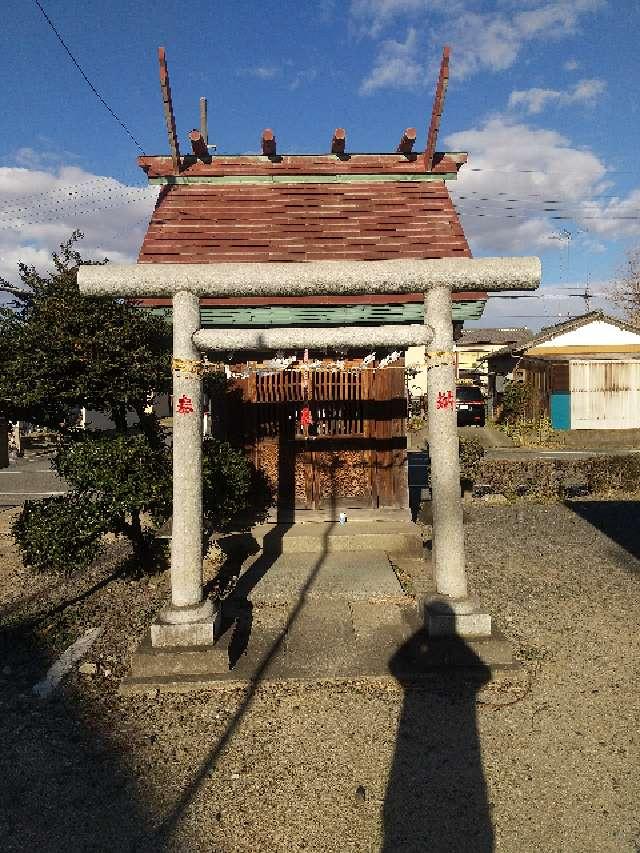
[347, 576]
[315, 616]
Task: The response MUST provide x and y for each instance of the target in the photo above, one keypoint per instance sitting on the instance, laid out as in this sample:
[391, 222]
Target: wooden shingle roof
[210, 223]
[340, 205]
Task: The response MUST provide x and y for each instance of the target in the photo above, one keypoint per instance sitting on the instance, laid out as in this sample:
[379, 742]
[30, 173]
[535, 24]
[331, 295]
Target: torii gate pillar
[188, 620]
[454, 612]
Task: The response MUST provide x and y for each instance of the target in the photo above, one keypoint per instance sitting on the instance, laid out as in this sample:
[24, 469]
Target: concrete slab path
[345, 576]
[29, 478]
[314, 615]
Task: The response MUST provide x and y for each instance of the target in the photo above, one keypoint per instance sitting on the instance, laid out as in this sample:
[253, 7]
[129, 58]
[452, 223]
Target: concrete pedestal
[185, 626]
[456, 617]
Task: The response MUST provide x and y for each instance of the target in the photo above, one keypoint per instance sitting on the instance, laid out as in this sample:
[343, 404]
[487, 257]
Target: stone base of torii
[189, 619]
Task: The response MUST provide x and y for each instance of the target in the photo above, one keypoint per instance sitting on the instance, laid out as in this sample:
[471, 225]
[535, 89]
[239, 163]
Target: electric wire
[86, 79]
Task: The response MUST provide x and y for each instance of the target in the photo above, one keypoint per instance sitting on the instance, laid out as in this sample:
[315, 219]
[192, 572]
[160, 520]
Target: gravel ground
[544, 758]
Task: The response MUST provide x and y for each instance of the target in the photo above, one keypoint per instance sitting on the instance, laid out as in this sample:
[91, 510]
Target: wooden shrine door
[347, 449]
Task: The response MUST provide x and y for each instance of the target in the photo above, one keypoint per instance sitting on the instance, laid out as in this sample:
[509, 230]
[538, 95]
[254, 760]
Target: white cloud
[283, 73]
[523, 185]
[325, 10]
[395, 66]
[614, 216]
[480, 40]
[535, 100]
[262, 72]
[31, 158]
[371, 17]
[571, 65]
[494, 41]
[39, 208]
[587, 90]
[301, 78]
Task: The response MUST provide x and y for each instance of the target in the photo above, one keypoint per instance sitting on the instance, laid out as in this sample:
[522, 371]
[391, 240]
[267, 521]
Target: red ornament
[305, 417]
[445, 401]
[185, 405]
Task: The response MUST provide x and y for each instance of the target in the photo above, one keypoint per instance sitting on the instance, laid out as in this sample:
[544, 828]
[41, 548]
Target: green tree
[516, 399]
[61, 350]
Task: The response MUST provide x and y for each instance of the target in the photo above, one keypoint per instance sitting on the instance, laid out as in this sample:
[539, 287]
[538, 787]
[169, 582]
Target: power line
[504, 171]
[89, 83]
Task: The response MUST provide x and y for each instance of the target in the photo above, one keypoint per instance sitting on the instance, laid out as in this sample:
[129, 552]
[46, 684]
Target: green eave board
[320, 315]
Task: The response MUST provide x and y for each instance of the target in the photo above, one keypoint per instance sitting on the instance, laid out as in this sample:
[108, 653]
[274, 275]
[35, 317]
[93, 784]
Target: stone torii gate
[189, 620]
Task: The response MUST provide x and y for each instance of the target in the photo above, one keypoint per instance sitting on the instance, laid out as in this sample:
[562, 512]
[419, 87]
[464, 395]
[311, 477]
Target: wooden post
[338, 141]
[268, 142]
[204, 130]
[169, 117]
[407, 141]
[436, 113]
[198, 145]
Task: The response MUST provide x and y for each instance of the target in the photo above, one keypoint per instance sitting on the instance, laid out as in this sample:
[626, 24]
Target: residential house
[584, 373]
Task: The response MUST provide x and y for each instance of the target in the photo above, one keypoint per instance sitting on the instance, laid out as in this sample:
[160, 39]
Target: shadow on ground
[64, 786]
[418, 475]
[436, 798]
[619, 520]
[168, 830]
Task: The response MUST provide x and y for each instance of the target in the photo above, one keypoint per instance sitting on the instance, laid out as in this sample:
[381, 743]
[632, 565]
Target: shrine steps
[317, 537]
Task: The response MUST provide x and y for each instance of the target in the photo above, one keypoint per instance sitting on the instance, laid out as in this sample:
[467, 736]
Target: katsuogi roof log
[312, 278]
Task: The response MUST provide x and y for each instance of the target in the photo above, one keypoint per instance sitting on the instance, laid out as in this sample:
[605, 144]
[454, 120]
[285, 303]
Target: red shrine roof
[278, 165]
[338, 205]
[310, 207]
[204, 223]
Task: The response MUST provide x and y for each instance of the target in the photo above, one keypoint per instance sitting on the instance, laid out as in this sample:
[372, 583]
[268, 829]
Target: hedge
[557, 478]
[547, 478]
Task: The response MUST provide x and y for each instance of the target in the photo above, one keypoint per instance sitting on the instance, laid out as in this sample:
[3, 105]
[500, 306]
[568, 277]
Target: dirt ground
[544, 758]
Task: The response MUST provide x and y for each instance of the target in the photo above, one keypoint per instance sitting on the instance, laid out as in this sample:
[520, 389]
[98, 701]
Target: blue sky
[543, 96]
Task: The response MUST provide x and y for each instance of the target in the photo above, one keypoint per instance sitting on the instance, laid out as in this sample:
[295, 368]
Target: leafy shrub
[515, 400]
[535, 477]
[550, 478]
[416, 422]
[126, 472]
[611, 473]
[532, 431]
[60, 533]
[116, 478]
[471, 454]
[226, 481]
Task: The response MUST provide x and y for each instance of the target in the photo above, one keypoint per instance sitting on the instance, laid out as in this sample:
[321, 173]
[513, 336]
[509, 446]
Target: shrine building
[339, 205]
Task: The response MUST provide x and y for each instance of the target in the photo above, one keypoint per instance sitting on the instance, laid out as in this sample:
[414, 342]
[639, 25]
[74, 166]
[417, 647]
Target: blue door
[561, 410]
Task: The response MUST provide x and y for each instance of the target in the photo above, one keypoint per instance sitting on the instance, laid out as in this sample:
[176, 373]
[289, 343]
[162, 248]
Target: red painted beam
[436, 113]
[167, 104]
